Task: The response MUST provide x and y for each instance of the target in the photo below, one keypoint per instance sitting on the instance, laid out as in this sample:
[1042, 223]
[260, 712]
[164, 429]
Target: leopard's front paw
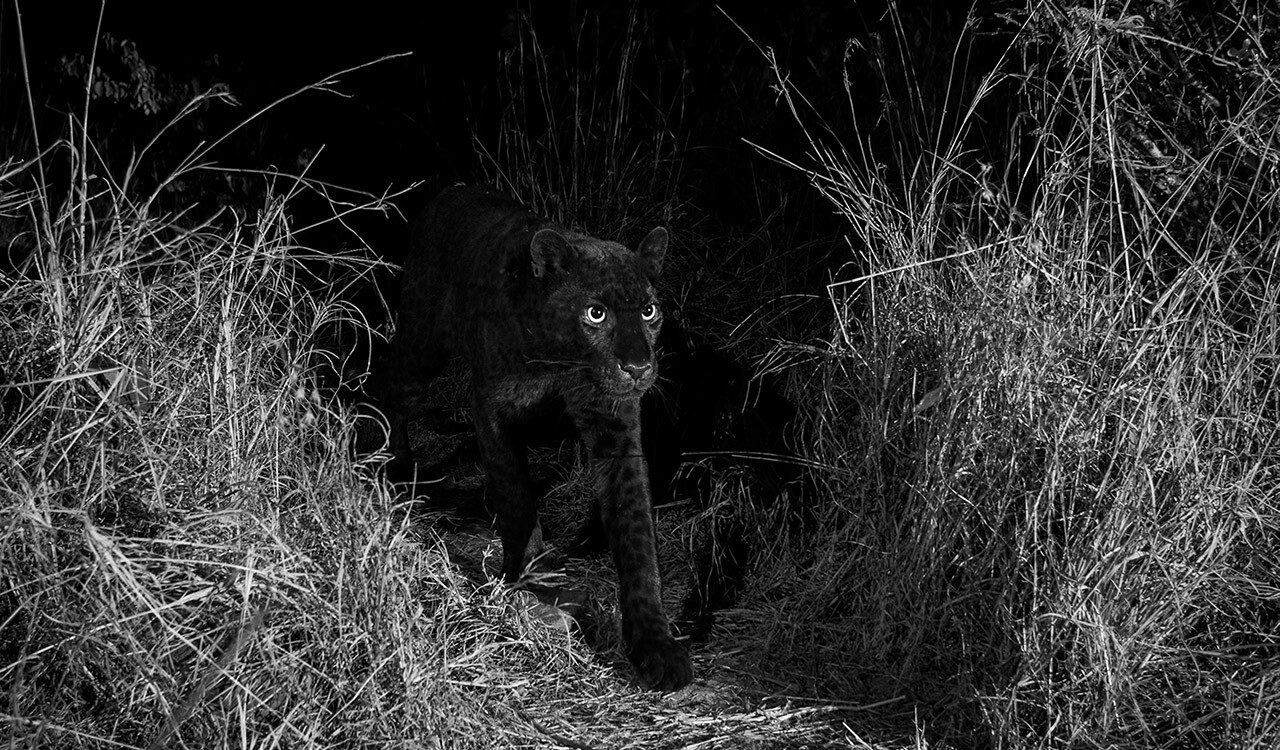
[661, 663]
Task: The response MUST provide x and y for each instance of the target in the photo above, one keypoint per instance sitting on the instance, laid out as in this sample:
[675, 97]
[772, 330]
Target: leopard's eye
[595, 314]
[649, 312]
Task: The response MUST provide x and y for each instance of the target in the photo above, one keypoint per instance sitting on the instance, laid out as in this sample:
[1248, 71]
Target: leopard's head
[601, 311]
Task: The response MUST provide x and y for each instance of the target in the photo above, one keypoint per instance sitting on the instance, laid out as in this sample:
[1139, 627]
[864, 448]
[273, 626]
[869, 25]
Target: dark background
[418, 117]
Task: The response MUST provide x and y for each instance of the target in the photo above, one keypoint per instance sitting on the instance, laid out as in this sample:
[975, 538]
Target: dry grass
[1047, 409]
[1042, 439]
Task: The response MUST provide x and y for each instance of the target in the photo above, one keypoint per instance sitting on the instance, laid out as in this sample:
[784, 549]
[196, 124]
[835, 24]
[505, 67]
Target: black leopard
[543, 317]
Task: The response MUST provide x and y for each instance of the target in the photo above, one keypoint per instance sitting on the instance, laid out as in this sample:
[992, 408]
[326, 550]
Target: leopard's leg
[507, 490]
[612, 436]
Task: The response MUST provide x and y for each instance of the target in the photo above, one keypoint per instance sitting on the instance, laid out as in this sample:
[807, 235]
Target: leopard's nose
[637, 371]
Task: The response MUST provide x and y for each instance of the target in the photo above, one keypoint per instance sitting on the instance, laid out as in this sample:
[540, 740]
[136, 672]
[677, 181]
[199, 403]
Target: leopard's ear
[548, 250]
[653, 248]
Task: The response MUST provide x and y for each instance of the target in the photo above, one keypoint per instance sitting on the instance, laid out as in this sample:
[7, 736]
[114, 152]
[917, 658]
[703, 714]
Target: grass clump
[1046, 404]
[189, 554]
